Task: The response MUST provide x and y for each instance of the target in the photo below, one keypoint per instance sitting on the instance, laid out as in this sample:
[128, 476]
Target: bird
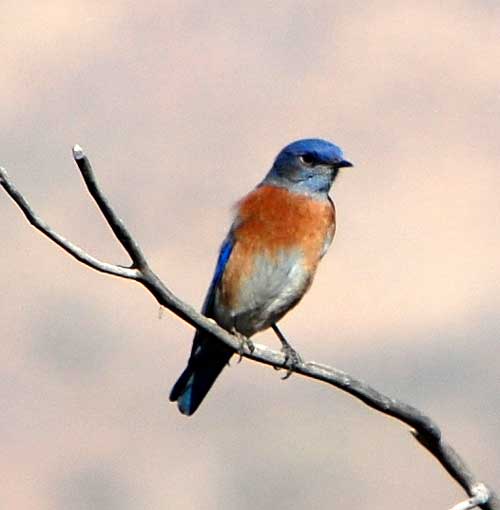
[267, 261]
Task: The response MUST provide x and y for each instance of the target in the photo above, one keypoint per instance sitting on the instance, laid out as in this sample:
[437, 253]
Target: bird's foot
[245, 344]
[292, 359]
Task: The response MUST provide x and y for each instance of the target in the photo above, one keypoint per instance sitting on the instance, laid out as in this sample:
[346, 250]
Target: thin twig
[423, 428]
[71, 248]
[116, 224]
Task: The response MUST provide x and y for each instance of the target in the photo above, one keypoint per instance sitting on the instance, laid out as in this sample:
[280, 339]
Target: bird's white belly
[275, 285]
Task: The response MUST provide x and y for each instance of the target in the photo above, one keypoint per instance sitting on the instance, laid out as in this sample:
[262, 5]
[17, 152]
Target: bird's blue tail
[208, 358]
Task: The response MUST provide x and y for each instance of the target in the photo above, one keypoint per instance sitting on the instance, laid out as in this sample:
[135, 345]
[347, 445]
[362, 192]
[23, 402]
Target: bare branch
[426, 432]
[116, 224]
[74, 250]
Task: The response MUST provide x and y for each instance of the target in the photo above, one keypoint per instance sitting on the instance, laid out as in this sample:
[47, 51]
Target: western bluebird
[267, 262]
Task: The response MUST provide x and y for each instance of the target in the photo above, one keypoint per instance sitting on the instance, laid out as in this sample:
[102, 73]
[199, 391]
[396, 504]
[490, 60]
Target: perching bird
[267, 262]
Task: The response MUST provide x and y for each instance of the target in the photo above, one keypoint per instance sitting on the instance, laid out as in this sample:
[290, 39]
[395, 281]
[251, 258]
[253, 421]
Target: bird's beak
[343, 164]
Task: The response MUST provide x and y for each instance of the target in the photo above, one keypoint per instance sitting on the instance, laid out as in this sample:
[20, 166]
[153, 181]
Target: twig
[116, 224]
[423, 428]
[74, 250]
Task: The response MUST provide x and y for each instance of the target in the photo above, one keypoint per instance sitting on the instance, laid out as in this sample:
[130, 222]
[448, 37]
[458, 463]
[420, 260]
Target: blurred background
[182, 107]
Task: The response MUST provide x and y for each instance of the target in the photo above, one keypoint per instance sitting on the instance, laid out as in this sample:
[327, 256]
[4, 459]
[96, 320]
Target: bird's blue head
[307, 166]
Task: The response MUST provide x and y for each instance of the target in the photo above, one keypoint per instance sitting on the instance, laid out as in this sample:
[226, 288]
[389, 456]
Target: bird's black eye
[307, 159]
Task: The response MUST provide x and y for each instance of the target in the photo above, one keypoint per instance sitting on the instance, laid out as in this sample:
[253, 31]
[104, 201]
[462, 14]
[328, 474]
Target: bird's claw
[292, 360]
[245, 344]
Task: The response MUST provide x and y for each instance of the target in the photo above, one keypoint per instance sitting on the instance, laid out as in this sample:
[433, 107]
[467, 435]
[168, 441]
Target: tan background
[182, 107]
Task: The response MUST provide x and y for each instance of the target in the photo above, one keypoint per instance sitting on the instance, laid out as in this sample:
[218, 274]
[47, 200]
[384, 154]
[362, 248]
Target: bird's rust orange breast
[271, 220]
[274, 218]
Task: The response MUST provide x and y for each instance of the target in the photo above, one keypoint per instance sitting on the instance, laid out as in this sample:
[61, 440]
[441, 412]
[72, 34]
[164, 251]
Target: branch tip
[480, 495]
[78, 152]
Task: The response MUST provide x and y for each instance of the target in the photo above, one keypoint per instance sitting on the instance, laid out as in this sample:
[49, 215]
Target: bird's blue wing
[208, 355]
[208, 305]
[224, 254]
